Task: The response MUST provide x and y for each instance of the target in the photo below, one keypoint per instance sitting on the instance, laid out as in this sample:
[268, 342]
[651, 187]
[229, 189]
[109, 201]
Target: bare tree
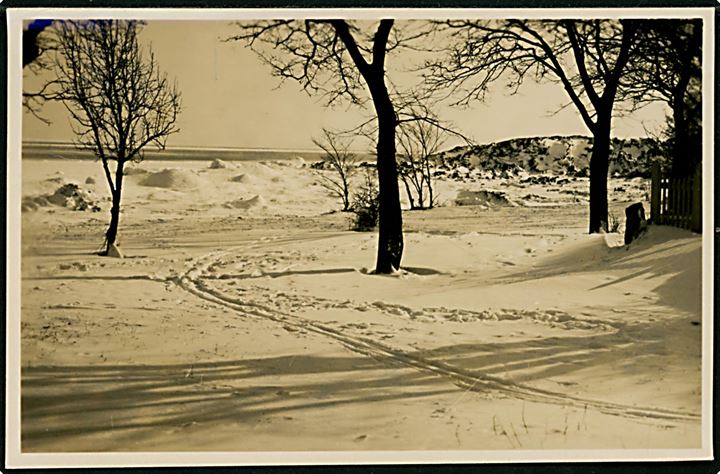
[118, 99]
[343, 59]
[342, 163]
[587, 57]
[410, 173]
[419, 140]
[667, 67]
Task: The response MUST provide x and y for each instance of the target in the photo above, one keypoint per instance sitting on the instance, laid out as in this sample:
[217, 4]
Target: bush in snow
[71, 196]
[366, 205]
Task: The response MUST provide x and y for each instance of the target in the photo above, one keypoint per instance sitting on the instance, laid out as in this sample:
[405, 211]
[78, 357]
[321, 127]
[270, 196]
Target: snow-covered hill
[568, 155]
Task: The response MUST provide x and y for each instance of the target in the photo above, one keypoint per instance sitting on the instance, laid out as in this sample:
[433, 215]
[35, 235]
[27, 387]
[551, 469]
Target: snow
[245, 317]
[255, 201]
[482, 198]
[175, 179]
[217, 164]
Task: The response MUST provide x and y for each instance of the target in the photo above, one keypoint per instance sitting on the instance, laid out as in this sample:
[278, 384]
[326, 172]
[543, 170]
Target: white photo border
[14, 458]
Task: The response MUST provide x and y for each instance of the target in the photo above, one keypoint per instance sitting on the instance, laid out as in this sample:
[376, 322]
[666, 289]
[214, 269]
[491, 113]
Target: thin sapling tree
[342, 163]
[117, 97]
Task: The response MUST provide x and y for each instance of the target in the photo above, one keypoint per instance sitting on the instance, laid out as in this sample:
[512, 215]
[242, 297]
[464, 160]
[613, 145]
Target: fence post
[655, 193]
[696, 225]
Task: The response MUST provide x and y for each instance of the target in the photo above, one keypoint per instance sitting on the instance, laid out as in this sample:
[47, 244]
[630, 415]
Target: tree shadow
[37, 252]
[75, 401]
[95, 277]
[639, 264]
[422, 271]
[534, 360]
[581, 259]
[248, 276]
[681, 282]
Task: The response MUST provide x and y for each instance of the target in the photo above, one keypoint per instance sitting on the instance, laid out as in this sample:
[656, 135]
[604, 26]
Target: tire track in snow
[192, 281]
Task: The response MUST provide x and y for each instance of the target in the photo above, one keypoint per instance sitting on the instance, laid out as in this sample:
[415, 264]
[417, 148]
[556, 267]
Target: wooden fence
[676, 201]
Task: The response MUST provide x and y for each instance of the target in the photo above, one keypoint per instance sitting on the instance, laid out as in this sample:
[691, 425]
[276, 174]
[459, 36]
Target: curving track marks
[192, 281]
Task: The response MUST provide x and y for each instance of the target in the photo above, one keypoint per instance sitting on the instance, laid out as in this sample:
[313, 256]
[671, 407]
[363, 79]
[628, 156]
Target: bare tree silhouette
[118, 99]
[587, 57]
[668, 67]
[344, 59]
[342, 162]
[418, 141]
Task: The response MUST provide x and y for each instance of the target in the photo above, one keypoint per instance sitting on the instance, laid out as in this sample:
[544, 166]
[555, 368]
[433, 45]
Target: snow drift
[256, 201]
[217, 164]
[172, 178]
[241, 178]
[69, 195]
[134, 171]
[482, 198]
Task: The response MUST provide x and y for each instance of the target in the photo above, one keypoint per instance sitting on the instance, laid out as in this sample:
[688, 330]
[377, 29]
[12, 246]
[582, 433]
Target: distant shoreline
[67, 151]
[31, 144]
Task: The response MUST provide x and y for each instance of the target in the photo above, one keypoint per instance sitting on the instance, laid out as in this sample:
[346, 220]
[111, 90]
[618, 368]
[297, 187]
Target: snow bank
[254, 202]
[172, 178]
[134, 171]
[241, 178]
[482, 198]
[33, 203]
[218, 164]
[69, 195]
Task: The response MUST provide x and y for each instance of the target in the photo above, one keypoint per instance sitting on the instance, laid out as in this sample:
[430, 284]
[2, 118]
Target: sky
[230, 99]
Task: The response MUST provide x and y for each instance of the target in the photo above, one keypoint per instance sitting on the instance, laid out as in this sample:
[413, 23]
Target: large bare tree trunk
[390, 238]
[599, 163]
[681, 161]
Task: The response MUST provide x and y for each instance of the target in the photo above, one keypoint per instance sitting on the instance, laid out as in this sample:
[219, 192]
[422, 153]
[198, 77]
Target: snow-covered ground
[244, 318]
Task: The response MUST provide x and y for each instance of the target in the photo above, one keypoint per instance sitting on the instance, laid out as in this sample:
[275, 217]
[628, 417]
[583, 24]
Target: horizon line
[311, 150]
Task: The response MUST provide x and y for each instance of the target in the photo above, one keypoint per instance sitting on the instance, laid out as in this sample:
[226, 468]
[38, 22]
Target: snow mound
[253, 202]
[218, 165]
[134, 171]
[115, 252]
[33, 203]
[55, 179]
[69, 195]
[482, 198]
[241, 178]
[171, 178]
